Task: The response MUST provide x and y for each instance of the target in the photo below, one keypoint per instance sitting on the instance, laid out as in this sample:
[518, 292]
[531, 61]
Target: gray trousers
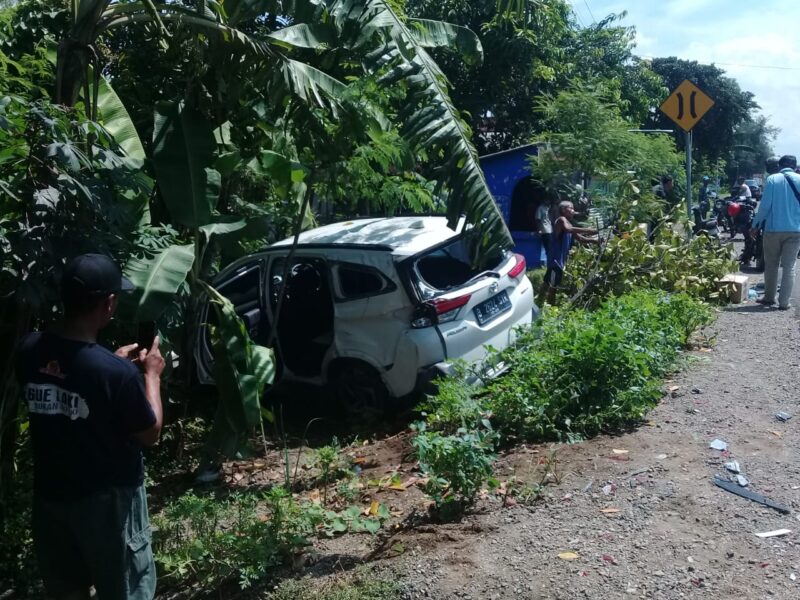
[780, 249]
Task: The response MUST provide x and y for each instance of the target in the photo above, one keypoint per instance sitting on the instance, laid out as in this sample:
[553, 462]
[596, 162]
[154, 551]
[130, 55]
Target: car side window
[357, 281]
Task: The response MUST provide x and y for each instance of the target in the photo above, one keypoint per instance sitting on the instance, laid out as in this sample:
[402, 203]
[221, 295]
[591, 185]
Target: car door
[243, 283]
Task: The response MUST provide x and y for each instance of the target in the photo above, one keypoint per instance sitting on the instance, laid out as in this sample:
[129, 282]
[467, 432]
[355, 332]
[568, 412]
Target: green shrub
[582, 372]
[457, 465]
[208, 541]
[364, 584]
[454, 406]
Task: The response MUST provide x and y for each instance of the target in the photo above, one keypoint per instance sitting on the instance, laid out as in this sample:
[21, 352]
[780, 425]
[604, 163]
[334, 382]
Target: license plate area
[490, 309]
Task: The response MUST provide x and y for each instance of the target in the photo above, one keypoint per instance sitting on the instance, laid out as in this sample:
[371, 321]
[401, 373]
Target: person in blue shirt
[90, 413]
[779, 215]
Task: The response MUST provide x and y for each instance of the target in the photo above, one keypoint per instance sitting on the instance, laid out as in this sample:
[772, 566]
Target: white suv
[375, 307]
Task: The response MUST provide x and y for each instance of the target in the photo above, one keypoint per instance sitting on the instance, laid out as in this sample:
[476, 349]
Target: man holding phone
[91, 411]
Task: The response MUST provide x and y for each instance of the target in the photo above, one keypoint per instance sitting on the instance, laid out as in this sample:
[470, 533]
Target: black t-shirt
[84, 404]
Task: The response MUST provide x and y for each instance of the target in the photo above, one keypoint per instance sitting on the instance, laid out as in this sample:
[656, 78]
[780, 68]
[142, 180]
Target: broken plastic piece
[742, 480]
[733, 488]
[718, 444]
[782, 416]
[733, 467]
[776, 533]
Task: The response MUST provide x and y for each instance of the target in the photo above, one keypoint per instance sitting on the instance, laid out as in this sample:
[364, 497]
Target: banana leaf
[157, 281]
[242, 370]
[183, 151]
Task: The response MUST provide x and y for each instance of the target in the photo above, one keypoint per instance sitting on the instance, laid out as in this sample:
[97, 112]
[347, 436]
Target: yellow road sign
[686, 105]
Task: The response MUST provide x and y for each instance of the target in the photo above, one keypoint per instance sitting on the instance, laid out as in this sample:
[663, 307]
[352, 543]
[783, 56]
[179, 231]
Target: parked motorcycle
[709, 227]
[753, 250]
[740, 214]
[721, 213]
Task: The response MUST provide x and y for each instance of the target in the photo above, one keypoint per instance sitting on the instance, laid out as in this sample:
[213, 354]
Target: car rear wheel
[360, 391]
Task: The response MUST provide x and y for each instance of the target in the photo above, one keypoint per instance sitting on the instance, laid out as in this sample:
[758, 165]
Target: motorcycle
[721, 213]
[709, 227]
[740, 213]
[753, 250]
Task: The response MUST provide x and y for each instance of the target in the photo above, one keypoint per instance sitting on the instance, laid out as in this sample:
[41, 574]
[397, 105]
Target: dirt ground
[638, 512]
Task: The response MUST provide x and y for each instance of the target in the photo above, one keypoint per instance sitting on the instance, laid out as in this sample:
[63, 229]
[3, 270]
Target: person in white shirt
[543, 225]
[744, 189]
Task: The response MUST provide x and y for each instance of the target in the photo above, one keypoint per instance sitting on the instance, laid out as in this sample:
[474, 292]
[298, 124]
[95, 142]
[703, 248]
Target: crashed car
[375, 307]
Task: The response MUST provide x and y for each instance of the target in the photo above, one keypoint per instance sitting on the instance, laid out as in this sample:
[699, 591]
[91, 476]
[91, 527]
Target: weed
[363, 585]
[209, 541]
[457, 465]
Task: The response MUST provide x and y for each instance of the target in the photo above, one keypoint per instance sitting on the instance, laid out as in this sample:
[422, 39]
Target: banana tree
[371, 30]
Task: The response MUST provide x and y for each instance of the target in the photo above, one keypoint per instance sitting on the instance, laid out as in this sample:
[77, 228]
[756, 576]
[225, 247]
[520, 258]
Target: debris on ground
[776, 533]
[782, 416]
[742, 480]
[718, 444]
[729, 486]
[733, 467]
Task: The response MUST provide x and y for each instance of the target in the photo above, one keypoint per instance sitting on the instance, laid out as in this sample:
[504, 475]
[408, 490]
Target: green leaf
[312, 36]
[183, 149]
[221, 228]
[241, 370]
[157, 280]
[112, 115]
[372, 525]
[438, 34]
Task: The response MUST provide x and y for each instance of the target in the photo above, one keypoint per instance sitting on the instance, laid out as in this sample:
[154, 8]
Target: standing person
[91, 411]
[703, 197]
[541, 221]
[560, 245]
[779, 213]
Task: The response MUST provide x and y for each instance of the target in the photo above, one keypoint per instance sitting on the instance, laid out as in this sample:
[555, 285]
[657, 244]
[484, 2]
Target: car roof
[402, 236]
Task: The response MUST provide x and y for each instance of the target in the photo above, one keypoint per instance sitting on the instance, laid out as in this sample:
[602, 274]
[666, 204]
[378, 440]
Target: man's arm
[570, 228]
[587, 240]
[153, 364]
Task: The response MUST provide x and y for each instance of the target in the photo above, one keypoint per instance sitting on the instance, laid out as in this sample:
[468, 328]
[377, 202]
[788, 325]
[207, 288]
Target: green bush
[582, 372]
[209, 541]
[457, 465]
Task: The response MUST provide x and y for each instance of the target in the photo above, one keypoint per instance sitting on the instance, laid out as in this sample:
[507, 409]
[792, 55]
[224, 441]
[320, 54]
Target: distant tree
[753, 146]
[533, 48]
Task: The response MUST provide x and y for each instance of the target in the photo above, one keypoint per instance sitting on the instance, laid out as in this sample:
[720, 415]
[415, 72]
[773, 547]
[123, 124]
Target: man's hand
[754, 233]
[128, 352]
[151, 360]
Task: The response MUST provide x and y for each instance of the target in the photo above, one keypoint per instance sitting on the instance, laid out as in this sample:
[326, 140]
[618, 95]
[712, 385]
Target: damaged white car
[375, 307]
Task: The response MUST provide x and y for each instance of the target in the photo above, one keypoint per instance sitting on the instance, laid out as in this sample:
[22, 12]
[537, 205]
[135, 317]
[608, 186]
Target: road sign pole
[689, 173]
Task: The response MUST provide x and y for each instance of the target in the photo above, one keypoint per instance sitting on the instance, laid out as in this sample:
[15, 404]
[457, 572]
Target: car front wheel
[360, 391]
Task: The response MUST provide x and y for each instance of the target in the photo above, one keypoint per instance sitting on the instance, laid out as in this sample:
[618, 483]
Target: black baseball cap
[93, 275]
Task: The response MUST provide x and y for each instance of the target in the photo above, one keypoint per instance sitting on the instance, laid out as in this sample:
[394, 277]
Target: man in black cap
[91, 411]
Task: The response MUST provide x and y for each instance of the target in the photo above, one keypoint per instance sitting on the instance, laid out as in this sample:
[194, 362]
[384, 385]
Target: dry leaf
[568, 556]
[400, 487]
[619, 451]
[373, 508]
[776, 433]
[238, 476]
[609, 511]
[672, 388]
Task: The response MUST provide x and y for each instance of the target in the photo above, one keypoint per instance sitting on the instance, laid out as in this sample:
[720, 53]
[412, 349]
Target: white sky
[756, 43]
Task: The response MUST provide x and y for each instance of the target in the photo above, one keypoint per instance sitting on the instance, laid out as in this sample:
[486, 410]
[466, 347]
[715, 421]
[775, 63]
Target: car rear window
[449, 266]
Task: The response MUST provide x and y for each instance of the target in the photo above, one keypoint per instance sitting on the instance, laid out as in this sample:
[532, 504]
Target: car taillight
[438, 310]
[518, 268]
